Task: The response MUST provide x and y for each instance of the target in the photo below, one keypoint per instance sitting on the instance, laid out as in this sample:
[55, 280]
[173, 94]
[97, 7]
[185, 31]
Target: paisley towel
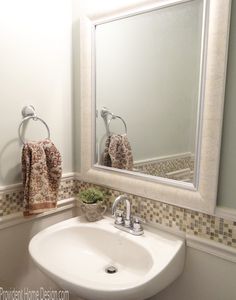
[118, 152]
[41, 169]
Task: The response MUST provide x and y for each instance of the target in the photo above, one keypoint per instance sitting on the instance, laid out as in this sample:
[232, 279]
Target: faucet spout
[126, 223]
[128, 206]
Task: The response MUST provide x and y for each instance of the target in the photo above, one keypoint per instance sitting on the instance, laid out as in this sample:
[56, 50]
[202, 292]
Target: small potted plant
[92, 204]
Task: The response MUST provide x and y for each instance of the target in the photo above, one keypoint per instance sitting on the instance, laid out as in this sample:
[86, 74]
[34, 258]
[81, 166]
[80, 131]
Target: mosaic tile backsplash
[184, 220]
[191, 222]
[179, 168]
[12, 201]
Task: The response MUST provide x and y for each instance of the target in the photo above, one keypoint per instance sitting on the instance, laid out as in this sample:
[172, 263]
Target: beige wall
[227, 186]
[35, 68]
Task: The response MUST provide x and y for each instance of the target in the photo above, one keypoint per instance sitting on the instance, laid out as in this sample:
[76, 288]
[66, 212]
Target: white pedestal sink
[76, 255]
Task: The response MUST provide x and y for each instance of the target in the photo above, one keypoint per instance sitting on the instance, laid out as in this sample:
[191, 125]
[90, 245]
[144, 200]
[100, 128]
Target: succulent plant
[91, 196]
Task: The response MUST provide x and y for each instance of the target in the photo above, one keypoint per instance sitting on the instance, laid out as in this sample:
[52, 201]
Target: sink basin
[96, 261]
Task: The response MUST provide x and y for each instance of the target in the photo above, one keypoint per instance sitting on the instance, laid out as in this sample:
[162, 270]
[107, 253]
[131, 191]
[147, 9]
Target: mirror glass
[148, 91]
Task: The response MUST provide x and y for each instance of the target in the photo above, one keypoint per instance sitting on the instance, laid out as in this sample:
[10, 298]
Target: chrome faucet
[125, 222]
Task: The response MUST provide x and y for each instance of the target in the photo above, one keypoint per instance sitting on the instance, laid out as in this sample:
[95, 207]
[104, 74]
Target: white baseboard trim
[163, 158]
[78, 176]
[67, 176]
[17, 186]
[18, 218]
[211, 247]
[226, 213]
[11, 187]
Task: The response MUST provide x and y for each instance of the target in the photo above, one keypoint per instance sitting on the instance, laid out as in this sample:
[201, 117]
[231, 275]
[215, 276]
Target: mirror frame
[203, 197]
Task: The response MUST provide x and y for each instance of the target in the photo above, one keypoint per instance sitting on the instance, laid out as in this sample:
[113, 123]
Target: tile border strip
[11, 197]
[173, 218]
[176, 218]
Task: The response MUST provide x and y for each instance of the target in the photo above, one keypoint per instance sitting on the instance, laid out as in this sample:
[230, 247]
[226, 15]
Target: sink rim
[106, 224]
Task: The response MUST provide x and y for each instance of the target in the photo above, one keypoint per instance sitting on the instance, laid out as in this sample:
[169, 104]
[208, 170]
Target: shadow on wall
[10, 160]
[10, 169]
[76, 93]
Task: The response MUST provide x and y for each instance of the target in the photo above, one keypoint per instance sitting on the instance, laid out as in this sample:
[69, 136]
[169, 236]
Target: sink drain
[111, 270]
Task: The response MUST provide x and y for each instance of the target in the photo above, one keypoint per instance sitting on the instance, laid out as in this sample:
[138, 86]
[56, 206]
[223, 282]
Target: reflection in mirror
[148, 79]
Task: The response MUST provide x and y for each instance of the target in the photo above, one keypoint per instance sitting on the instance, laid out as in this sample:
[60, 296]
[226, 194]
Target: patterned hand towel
[41, 169]
[118, 152]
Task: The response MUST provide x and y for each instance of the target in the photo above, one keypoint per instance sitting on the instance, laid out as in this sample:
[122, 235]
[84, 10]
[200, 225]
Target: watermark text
[27, 294]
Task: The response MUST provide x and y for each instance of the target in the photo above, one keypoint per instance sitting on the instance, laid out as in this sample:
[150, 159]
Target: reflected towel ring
[28, 113]
[105, 113]
[113, 118]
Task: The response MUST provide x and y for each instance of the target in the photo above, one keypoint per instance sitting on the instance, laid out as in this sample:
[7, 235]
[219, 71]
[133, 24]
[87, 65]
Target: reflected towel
[41, 170]
[118, 152]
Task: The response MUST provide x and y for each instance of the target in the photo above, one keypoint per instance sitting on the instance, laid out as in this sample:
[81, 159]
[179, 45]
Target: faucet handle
[119, 219]
[137, 219]
[137, 226]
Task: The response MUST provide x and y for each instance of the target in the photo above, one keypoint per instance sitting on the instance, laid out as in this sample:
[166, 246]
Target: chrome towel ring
[105, 113]
[28, 112]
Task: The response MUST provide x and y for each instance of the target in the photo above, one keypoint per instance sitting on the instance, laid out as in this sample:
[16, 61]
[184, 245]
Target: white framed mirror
[191, 116]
